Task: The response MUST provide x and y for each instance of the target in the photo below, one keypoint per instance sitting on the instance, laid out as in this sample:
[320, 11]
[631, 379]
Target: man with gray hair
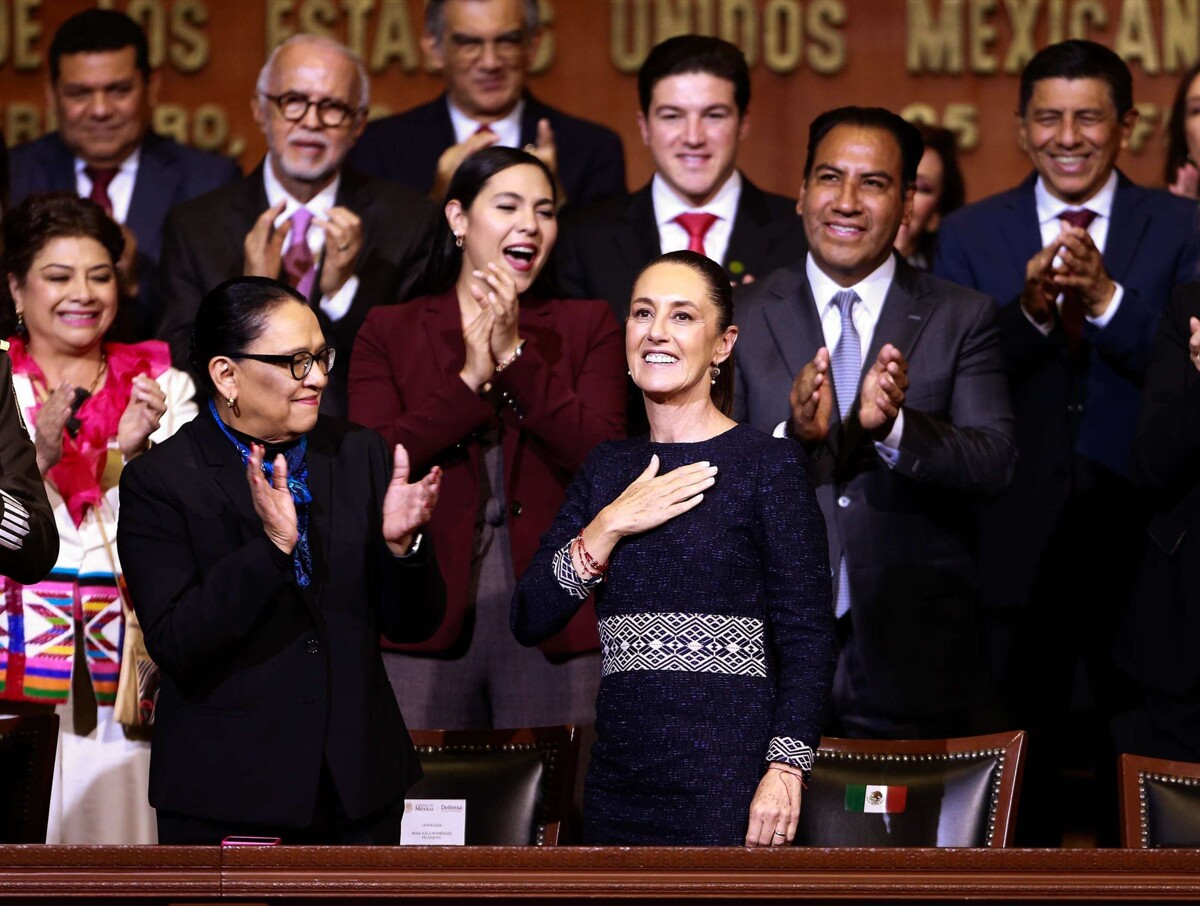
[484, 48]
[345, 241]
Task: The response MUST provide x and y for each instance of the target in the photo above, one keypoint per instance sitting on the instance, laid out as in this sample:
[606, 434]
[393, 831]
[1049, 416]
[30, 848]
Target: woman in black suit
[265, 549]
[1157, 642]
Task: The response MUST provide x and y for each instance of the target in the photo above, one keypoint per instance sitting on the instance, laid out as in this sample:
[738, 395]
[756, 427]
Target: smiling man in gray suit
[892, 380]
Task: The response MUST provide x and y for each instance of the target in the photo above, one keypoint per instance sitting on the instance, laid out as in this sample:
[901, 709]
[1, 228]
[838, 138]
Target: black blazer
[1157, 641]
[168, 173]
[907, 531]
[262, 681]
[405, 148]
[26, 556]
[601, 248]
[203, 246]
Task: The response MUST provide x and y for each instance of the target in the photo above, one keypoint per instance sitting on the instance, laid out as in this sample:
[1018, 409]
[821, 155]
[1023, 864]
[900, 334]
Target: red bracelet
[588, 560]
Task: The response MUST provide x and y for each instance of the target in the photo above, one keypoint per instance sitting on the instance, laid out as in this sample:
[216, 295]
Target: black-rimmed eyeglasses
[293, 107]
[299, 363]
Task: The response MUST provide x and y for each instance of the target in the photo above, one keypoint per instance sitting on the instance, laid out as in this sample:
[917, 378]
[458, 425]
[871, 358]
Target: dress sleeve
[790, 532]
[545, 601]
[28, 537]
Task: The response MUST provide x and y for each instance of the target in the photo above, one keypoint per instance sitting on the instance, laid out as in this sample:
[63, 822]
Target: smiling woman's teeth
[658, 358]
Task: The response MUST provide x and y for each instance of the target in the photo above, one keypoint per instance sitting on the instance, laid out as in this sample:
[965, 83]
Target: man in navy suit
[1082, 262]
[893, 382]
[103, 93]
[483, 48]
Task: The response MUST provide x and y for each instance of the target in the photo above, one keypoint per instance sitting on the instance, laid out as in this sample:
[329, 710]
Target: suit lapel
[319, 458]
[226, 468]
[1125, 228]
[750, 215]
[1022, 235]
[61, 167]
[905, 312]
[157, 184]
[640, 242]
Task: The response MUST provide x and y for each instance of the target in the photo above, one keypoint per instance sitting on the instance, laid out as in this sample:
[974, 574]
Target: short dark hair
[231, 316]
[1177, 146]
[720, 293]
[1077, 59]
[42, 218]
[912, 146]
[468, 181]
[435, 17]
[95, 31]
[695, 53]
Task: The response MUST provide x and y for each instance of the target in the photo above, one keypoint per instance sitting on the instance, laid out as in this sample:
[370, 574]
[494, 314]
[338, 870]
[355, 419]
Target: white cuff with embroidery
[791, 752]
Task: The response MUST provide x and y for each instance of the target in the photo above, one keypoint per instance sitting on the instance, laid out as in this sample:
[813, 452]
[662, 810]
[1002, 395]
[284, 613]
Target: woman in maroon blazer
[507, 392]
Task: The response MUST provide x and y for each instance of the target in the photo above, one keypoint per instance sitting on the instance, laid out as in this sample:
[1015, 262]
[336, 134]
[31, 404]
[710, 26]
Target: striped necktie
[846, 362]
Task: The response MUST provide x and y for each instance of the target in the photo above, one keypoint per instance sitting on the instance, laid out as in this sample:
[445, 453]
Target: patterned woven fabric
[692, 642]
[846, 363]
[564, 572]
[791, 751]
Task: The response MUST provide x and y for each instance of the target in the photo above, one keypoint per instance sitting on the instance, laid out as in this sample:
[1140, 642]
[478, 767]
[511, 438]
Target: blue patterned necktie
[846, 363]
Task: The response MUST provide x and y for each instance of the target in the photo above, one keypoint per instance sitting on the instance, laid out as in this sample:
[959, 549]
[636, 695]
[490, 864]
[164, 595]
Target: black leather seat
[1160, 803]
[28, 744]
[517, 783]
[934, 792]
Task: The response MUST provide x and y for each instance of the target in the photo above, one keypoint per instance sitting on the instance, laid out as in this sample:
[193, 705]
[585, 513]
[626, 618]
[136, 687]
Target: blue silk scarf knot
[297, 484]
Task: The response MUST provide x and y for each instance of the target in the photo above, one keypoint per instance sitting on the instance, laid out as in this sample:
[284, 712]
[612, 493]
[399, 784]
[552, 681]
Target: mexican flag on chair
[875, 798]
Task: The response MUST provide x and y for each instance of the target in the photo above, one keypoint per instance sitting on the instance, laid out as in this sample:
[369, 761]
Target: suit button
[515, 508]
[843, 501]
[312, 646]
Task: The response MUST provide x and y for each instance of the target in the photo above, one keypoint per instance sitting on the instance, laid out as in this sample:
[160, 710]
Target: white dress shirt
[507, 129]
[335, 306]
[667, 206]
[120, 190]
[1050, 209]
[872, 291]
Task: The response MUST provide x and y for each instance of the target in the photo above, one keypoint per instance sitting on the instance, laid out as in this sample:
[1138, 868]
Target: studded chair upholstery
[517, 784]
[933, 792]
[1160, 803]
[28, 744]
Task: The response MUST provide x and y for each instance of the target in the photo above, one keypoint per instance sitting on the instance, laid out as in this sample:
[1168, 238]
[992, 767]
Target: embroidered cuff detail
[14, 522]
[568, 578]
[791, 751]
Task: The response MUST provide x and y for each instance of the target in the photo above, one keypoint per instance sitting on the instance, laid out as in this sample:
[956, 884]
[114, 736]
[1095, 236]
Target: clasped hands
[141, 418]
[264, 246]
[1080, 267]
[492, 336]
[406, 507]
[879, 399]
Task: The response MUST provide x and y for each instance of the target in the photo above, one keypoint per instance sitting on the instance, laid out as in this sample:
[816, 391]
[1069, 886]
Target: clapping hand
[343, 243]
[273, 500]
[812, 400]
[407, 507]
[883, 391]
[51, 420]
[496, 289]
[147, 404]
[263, 246]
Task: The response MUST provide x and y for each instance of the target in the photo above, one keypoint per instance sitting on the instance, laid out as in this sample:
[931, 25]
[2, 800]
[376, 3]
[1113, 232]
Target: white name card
[434, 822]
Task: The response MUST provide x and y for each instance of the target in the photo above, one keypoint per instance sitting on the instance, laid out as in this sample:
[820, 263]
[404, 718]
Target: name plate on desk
[434, 822]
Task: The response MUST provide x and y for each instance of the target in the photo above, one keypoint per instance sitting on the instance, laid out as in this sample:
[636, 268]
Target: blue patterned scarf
[297, 477]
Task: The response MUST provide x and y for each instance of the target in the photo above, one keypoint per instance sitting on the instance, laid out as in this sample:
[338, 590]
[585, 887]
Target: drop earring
[716, 371]
[458, 240]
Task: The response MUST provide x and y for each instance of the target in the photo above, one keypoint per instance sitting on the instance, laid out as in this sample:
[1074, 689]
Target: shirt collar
[1049, 208]
[319, 204]
[668, 205]
[508, 128]
[128, 165]
[872, 289]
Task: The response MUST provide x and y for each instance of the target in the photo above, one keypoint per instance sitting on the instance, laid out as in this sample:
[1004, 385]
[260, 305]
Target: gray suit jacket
[906, 530]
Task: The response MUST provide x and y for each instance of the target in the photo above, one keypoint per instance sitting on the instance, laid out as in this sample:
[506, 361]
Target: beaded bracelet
[511, 357]
[598, 569]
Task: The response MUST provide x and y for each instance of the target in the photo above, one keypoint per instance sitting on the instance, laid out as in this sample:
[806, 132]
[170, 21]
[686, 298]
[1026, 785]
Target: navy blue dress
[716, 636]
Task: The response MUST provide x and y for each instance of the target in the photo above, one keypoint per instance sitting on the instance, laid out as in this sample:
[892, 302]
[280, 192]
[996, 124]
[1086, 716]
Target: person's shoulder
[190, 158]
[986, 214]
[385, 193]
[963, 298]
[36, 149]
[177, 455]
[781, 283]
[399, 318]
[1164, 204]
[573, 128]
[398, 124]
[602, 215]
[210, 207]
[566, 313]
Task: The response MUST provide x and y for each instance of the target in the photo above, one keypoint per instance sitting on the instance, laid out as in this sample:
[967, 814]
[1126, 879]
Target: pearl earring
[715, 373]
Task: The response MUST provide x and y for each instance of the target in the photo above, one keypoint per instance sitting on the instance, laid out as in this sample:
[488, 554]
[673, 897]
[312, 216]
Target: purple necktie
[298, 261]
[1073, 310]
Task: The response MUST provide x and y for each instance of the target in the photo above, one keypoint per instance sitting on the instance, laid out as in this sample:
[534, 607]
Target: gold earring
[458, 239]
[230, 401]
[21, 323]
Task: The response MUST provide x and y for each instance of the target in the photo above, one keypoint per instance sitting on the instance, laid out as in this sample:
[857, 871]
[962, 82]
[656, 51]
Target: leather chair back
[1160, 803]
[517, 784]
[936, 792]
[28, 745]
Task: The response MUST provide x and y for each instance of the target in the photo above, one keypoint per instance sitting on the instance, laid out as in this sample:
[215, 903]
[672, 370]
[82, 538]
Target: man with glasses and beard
[346, 242]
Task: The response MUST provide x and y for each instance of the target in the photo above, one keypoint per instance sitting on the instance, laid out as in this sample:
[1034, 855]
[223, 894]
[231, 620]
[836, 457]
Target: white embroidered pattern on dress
[791, 751]
[690, 642]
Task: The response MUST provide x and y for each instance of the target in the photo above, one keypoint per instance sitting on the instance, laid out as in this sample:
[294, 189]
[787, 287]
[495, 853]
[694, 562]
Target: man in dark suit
[1082, 262]
[103, 94]
[893, 382]
[484, 48]
[694, 92]
[345, 241]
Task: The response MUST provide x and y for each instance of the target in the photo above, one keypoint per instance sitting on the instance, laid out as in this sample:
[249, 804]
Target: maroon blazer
[563, 396]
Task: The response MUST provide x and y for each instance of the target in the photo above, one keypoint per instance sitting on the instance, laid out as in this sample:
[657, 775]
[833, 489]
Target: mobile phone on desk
[235, 840]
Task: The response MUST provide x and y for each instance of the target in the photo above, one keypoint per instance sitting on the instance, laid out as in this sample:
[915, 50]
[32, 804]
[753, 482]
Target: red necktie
[101, 178]
[298, 261]
[1073, 310]
[697, 226]
[485, 129]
